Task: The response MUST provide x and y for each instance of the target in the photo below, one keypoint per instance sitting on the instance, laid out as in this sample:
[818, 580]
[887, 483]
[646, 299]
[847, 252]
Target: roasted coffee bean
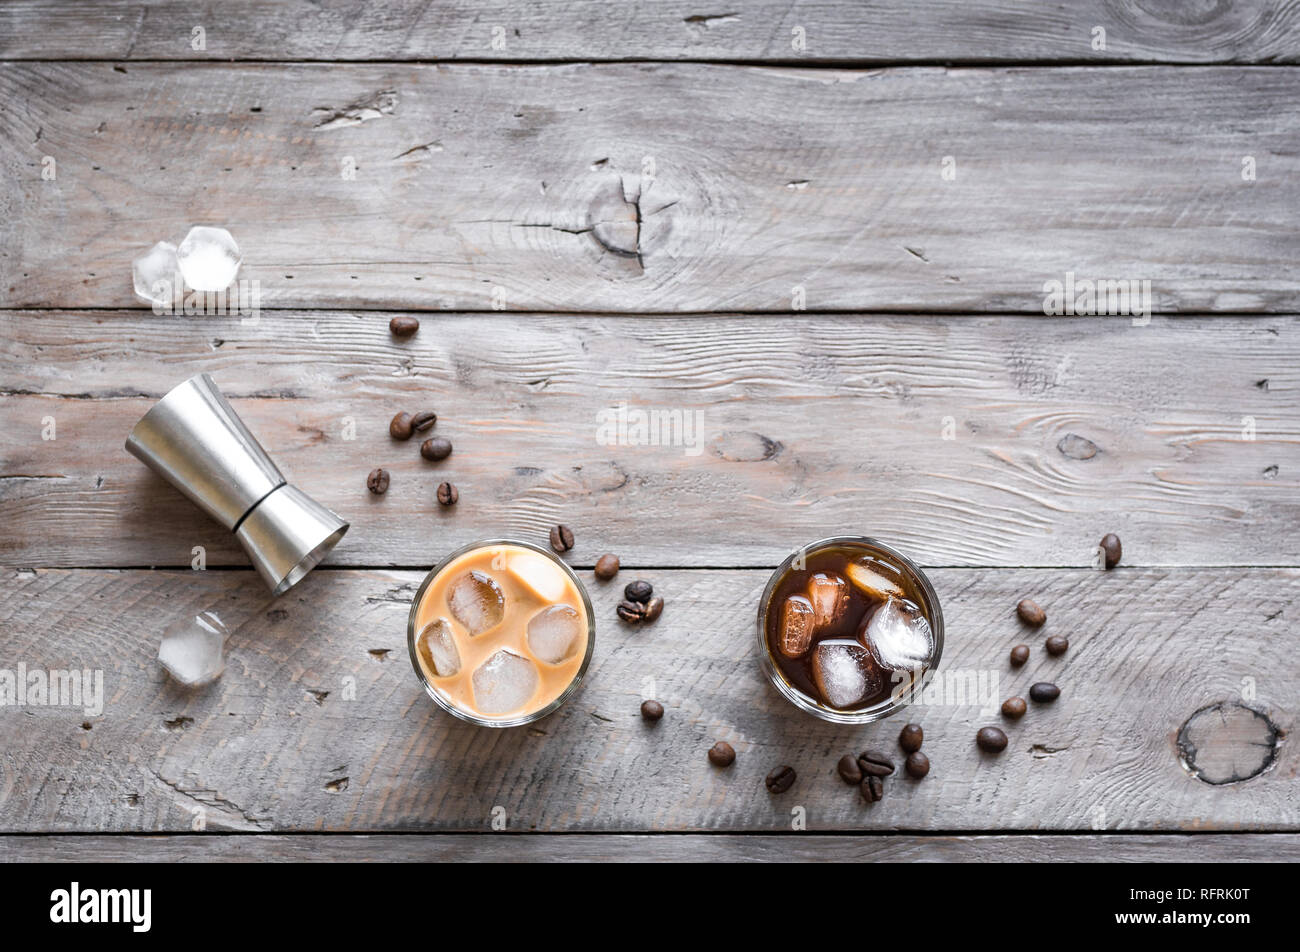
[917, 764]
[1058, 645]
[722, 754]
[436, 448]
[910, 737]
[991, 739]
[654, 608]
[875, 763]
[652, 710]
[1014, 708]
[1044, 692]
[849, 770]
[1030, 613]
[377, 481]
[403, 326]
[1111, 549]
[780, 780]
[447, 494]
[638, 591]
[631, 612]
[1019, 655]
[423, 420]
[606, 567]
[561, 538]
[400, 427]
[873, 788]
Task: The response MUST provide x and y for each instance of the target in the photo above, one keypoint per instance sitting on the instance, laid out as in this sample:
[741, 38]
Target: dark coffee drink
[845, 623]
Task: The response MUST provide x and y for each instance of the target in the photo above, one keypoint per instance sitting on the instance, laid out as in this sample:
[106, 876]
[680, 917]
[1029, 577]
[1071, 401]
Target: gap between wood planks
[578, 834]
[639, 567]
[657, 846]
[533, 313]
[822, 64]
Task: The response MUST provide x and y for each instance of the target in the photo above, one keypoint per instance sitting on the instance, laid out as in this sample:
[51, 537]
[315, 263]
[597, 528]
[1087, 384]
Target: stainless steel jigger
[193, 439]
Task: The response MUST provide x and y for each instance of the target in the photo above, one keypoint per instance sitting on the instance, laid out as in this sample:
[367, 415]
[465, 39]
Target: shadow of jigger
[195, 440]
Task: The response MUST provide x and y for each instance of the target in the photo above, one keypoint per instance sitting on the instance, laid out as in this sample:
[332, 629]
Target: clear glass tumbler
[509, 721]
[901, 695]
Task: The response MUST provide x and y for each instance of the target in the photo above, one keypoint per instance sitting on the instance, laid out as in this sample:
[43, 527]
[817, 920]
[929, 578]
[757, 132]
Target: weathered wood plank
[636, 187]
[319, 725]
[1245, 31]
[1060, 431]
[622, 848]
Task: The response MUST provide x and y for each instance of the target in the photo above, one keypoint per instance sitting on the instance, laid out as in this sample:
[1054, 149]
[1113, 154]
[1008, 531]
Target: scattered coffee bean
[1030, 613]
[910, 737]
[917, 764]
[1014, 708]
[633, 609]
[875, 763]
[1111, 549]
[631, 612]
[403, 326]
[561, 538]
[400, 427]
[423, 420]
[436, 449]
[780, 780]
[991, 739]
[722, 754]
[1019, 655]
[1044, 692]
[377, 481]
[606, 567]
[448, 494]
[873, 788]
[638, 591]
[1058, 645]
[652, 710]
[849, 770]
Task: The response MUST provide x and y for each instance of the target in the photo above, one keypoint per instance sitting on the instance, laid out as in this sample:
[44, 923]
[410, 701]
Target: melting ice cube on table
[505, 682]
[795, 634]
[554, 633]
[193, 649]
[898, 636]
[437, 646]
[476, 602]
[208, 258]
[845, 673]
[154, 273]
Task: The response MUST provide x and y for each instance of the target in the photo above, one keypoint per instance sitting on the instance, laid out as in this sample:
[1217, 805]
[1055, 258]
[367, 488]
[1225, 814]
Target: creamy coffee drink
[500, 632]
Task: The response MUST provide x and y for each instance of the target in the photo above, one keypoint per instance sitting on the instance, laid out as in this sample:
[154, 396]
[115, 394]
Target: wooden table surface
[822, 230]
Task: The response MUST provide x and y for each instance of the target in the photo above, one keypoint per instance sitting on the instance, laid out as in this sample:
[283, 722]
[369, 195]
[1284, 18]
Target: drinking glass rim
[796, 697]
[521, 719]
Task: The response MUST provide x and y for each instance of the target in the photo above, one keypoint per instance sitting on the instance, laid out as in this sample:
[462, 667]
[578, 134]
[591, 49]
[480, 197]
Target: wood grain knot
[1228, 742]
[634, 216]
[1182, 13]
[745, 447]
[615, 221]
[1077, 447]
[375, 106]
